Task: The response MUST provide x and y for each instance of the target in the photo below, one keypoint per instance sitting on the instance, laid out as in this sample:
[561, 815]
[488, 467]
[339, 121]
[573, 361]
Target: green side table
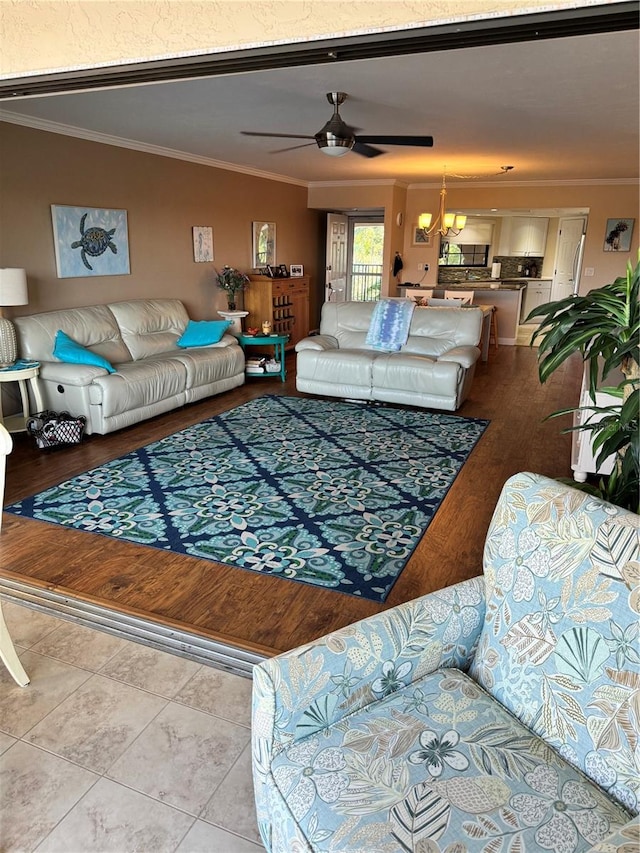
[275, 341]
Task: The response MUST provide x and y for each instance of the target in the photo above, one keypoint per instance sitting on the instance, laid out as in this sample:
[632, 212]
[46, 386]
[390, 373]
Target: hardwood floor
[267, 614]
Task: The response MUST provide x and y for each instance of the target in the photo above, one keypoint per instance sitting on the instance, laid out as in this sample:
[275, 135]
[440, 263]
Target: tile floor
[115, 746]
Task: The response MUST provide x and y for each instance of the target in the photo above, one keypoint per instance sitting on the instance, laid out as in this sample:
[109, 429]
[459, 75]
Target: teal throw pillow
[202, 333]
[71, 352]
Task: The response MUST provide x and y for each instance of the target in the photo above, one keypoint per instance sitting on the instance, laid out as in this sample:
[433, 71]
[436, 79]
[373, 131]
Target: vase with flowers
[231, 281]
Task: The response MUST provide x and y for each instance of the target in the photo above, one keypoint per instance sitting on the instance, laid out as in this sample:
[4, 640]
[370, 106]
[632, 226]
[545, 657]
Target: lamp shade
[13, 286]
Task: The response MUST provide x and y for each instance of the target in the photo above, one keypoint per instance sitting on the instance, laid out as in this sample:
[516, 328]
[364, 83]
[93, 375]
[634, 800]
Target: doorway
[354, 266]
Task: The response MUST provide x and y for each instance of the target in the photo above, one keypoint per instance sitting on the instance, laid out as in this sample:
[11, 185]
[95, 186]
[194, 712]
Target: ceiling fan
[337, 138]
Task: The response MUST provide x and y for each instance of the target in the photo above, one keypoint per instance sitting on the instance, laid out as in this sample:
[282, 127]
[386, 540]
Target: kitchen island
[505, 295]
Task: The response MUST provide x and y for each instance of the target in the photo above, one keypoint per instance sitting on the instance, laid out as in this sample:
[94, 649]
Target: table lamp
[13, 291]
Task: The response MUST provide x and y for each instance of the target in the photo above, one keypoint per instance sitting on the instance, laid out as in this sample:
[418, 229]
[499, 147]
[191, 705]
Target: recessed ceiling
[558, 109]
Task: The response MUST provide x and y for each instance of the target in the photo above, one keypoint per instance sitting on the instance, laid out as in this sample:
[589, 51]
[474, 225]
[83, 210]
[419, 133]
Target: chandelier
[449, 223]
[446, 223]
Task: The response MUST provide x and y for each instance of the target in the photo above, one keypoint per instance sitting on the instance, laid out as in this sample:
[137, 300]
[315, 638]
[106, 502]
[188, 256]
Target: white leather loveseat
[434, 369]
[152, 374]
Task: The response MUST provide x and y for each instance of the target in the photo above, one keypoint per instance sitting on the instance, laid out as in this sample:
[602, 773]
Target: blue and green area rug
[333, 494]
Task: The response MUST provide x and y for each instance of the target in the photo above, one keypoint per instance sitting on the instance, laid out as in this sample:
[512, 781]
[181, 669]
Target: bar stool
[493, 329]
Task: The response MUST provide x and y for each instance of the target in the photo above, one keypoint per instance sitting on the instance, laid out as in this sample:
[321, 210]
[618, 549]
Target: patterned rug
[328, 493]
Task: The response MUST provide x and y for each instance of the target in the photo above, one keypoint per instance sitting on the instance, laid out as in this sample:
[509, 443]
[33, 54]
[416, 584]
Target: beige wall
[604, 202]
[163, 197]
[43, 36]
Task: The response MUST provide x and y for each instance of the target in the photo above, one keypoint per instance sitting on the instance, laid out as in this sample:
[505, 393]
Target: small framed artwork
[420, 237]
[263, 243]
[617, 236]
[284, 272]
[90, 241]
[202, 243]
[297, 270]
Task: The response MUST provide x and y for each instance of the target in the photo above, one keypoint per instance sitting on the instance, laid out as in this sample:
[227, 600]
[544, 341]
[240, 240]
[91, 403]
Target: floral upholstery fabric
[373, 739]
[560, 645]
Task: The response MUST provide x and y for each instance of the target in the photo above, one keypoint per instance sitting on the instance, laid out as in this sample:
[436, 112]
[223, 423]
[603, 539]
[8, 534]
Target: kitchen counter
[506, 298]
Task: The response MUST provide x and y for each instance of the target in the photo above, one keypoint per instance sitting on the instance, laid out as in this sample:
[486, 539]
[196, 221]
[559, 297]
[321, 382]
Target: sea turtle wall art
[90, 241]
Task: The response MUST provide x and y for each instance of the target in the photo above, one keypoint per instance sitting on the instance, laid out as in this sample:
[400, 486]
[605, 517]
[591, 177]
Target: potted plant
[231, 281]
[604, 327]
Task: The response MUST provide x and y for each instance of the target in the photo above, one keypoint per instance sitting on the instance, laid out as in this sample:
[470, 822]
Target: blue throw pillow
[71, 352]
[202, 333]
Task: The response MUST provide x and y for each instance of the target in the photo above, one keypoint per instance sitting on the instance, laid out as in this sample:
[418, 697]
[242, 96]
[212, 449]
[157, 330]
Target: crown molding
[145, 147]
[370, 182]
[577, 182]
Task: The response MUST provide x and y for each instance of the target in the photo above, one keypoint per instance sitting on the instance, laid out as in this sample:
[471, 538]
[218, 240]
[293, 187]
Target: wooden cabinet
[537, 293]
[282, 301]
[528, 236]
[523, 236]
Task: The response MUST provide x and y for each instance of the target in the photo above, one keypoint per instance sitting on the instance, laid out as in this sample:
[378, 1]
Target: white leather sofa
[434, 369]
[153, 375]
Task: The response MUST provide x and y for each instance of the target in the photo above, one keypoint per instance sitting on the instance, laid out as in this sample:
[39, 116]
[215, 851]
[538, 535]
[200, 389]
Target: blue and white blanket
[390, 321]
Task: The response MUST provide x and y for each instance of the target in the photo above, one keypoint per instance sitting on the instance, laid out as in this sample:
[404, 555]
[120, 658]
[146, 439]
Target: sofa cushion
[94, 327]
[139, 384]
[203, 333]
[432, 764]
[150, 326]
[70, 352]
[560, 643]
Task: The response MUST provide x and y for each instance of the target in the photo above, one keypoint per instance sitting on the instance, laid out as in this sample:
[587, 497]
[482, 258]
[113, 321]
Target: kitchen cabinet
[284, 302]
[523, 236]
[537, 293]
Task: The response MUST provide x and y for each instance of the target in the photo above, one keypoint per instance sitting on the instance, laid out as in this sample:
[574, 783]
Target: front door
[336, 268]
[566, 276]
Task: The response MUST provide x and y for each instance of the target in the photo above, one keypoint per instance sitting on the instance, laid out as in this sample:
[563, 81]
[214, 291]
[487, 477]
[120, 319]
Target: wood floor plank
[270, 613]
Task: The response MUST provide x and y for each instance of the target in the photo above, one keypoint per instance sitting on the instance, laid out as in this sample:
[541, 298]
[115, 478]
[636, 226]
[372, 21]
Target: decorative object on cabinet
[202, 244]
[13, 291]
[263, 243]
[100, 235]
[603, 327]
[282, 301]
[297, 270]
[231, 281]
[617, 237]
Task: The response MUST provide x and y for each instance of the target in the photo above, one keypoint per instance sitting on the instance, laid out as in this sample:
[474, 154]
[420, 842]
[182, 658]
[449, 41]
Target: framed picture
[419, 237]
[617, 235]
[202, 243]
[90, 241]
[284, 272]
[263, 243]
[297, 270]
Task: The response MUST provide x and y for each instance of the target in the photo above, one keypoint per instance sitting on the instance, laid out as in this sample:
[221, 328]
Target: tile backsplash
[449, 275]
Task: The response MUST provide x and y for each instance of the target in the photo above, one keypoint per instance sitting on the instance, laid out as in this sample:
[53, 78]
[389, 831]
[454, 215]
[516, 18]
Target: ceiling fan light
[334, 150]
[424, 220]
[334, 146]
[461, 221]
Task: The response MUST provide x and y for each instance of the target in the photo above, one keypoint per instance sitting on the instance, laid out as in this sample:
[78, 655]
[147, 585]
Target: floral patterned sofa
[501, 714]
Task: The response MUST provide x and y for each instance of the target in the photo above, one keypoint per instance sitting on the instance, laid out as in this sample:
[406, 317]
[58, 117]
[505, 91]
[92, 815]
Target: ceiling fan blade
[366, 150]
[280, 135]
[420, 141]
[292, 148]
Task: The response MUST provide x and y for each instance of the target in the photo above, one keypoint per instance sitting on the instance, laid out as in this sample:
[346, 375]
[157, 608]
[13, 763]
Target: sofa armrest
[70, 374]
[318, 342]
[316, 685]
[466, 356]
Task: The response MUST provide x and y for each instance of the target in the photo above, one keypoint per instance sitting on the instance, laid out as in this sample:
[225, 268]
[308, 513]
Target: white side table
[235, 318]
[21, 374]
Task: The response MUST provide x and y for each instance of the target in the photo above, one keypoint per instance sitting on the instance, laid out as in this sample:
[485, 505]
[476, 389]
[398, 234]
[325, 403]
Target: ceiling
[558, 109]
